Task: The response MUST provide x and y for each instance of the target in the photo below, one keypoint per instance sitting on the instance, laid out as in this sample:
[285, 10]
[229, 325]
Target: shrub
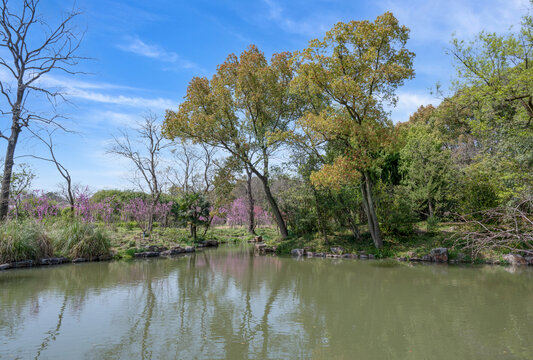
[397, 215]
[79, 239]
[23, 240]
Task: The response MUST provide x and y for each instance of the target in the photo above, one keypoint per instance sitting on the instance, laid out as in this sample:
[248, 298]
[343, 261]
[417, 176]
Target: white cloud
[138, 102]
[137, 46]
[314, 26]
[87, 91]
[437, 20]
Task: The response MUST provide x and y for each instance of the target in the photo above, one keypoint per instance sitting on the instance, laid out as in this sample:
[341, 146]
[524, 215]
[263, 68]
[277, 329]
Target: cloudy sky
[145, 52]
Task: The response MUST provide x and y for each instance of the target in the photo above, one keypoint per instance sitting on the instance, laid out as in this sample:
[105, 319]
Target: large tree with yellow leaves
[356, 68]
[246, 108]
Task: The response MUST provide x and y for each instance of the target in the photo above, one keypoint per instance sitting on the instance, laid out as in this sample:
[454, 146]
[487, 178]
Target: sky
[144, 53]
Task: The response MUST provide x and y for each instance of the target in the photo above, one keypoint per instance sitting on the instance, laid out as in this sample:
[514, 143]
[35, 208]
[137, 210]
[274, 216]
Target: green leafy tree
[192, 210]
[356, 69]
[246, 109]
[495, 82]
[427, 168]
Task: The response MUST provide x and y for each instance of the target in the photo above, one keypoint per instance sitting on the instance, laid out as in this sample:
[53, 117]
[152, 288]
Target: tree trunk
[368, 203]
[251, 215]
[193, 232]
[275, 209]
[430, 206]
[353, 226]
[321, 217]
[8, 170]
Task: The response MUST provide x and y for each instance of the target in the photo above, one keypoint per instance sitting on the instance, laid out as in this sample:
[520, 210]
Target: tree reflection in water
[229, 304]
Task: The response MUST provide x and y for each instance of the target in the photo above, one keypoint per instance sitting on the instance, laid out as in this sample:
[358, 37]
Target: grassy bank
[413, 246]
[31, 240]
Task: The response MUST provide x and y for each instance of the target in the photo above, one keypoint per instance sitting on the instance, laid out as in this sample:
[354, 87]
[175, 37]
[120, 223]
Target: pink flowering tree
[262, 217]
[104, 210]
[141, 211]
[238, 213]
[162, 211]
[39, 206]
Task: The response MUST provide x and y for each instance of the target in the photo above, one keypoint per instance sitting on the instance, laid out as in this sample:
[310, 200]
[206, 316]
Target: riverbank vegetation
[300, 150]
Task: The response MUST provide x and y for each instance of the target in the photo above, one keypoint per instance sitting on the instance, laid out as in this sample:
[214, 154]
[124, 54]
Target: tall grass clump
[78, 239]
[23, 240]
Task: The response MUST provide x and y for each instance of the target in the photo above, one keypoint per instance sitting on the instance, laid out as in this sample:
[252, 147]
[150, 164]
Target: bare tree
[35, 49]
[68, 190]
[144, 150]
[182, 174]
[192, 170]
[509, 228]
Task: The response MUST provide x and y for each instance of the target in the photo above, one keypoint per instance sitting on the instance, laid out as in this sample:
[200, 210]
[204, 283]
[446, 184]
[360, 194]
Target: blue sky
[145, 52]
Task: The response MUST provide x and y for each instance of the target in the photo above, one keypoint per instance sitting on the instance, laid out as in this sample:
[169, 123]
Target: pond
[229, 304]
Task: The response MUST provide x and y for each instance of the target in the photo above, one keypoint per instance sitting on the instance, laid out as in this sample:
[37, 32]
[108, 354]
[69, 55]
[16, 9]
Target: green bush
[23, 240]
[432, 224]
[78, 239]
[396, 214]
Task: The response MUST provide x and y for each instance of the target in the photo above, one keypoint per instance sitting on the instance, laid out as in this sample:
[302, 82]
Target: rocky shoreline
[152, 251]
[436, 255]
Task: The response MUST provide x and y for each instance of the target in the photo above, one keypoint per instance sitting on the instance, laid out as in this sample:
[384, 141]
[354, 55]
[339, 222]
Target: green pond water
[227, 304]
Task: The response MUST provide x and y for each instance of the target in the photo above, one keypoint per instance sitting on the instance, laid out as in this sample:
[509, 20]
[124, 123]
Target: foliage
[396, 212]
[78, 239]
[246, 109]
[23, 240]
[427, 169]
[191, 210]
[356, 70]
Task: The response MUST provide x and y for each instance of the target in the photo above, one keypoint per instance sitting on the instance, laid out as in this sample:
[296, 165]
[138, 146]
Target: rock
[439, 255]
[80, 260]
[371, 256]
[22, 264]
[189, 249]
[348, 256]
[105, 257]
[298, 252]
[529, 260]
[51, 261]
[147, 254]
[263, 249]
[426, 258]
[5, 267]
[319, 255]
[258, 239]
[401, 259]
[337, 250]
[174, 251]
[334, 256]
[363, 257]
[514, 259]
[207, 243]
[310, 254]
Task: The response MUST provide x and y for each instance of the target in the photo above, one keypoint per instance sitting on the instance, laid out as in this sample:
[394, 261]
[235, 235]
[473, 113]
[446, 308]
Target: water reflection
[228, 304]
